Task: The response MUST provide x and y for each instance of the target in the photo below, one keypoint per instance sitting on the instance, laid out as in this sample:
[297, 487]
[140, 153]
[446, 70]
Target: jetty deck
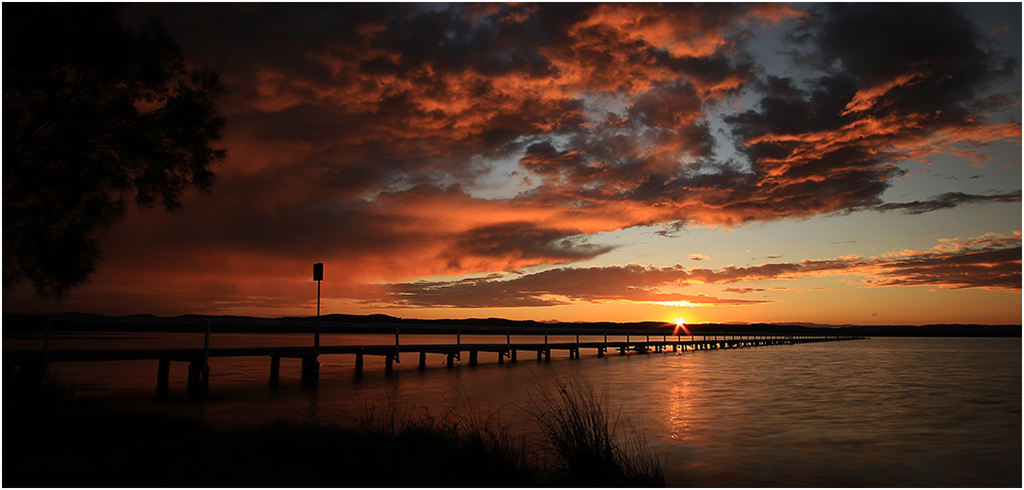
[32, 364]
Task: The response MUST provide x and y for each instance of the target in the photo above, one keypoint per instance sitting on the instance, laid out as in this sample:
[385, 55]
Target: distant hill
[14, 323]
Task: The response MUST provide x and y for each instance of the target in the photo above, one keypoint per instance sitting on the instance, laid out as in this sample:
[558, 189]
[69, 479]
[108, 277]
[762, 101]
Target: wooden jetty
[28, 365]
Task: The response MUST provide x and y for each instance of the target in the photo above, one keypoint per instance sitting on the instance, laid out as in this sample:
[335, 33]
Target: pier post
[397, 351]
[451, 360]
[275, 368]
[206, 354]
[389, 363]
[472, 358]
[163, 374]
[423, 360]
[540, 355]
[513, 359]
[318, 275]
[600, 351]
[359, 363]
[310, 368]
[501, 358]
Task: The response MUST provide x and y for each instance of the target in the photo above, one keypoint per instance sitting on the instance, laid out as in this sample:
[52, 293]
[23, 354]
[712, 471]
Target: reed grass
[585, 444]
[55, 441]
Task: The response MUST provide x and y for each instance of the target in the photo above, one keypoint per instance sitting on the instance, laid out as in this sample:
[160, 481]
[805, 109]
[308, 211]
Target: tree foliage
[95, 116]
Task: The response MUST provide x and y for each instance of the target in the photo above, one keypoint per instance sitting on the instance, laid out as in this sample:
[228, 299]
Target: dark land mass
[23, 323]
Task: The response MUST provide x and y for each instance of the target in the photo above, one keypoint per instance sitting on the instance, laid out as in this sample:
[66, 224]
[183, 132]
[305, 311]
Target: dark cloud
[947, 200]
[985, 268]
[361, 135]
[900, 84]
[522, 244]
[744, 290]
[393, 96]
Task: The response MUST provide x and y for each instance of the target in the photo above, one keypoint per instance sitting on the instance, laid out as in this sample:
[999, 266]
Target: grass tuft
[585, 445]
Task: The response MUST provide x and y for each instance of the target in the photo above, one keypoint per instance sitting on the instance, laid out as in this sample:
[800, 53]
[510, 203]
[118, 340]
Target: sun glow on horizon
[674, 303]
[680, 326]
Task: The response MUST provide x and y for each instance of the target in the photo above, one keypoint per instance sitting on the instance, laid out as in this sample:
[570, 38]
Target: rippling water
[881, 412]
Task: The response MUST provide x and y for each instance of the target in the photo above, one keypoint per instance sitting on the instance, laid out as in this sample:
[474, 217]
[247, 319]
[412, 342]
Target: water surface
[880, 412]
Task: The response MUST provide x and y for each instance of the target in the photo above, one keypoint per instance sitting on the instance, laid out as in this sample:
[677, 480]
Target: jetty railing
[32, 364]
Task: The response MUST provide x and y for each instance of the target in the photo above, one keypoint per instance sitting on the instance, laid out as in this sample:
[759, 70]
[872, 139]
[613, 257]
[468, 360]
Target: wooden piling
[198, 368]
[206, 353]
[163, 374]
[310, 368]
[275, 368]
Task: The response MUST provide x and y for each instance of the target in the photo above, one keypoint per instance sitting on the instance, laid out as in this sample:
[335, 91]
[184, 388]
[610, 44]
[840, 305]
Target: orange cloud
[992, 261]
[370, 136]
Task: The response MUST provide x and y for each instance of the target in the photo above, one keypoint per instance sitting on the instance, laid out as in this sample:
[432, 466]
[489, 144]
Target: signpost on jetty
[311, 367]
[318, 276]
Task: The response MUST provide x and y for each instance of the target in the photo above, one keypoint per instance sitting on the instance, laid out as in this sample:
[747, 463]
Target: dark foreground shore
[53, 441]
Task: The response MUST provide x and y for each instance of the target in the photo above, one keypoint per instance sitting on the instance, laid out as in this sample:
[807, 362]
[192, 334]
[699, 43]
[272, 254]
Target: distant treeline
[22, 323]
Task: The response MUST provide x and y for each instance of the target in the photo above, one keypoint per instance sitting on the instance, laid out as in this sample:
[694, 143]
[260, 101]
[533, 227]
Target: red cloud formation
[633, 283]
[369, 136]
[990, 262]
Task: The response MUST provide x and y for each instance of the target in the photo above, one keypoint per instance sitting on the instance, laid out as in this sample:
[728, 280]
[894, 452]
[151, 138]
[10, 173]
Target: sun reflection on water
[680, 410]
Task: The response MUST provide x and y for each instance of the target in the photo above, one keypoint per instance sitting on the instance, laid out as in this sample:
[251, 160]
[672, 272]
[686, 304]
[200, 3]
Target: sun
[680, 326]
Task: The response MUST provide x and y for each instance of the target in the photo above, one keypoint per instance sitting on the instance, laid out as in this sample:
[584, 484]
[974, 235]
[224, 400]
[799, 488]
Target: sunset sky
[825, 163]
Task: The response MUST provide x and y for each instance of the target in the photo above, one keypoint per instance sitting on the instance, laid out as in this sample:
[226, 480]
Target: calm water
[879, 412]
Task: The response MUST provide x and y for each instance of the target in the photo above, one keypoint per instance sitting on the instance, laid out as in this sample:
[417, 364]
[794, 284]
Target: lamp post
[318, 276]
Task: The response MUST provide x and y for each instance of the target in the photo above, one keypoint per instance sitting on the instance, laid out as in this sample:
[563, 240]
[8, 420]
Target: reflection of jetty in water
[31, 365]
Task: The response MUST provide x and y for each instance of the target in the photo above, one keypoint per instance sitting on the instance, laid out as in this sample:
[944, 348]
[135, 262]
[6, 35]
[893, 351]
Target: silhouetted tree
[95, 115]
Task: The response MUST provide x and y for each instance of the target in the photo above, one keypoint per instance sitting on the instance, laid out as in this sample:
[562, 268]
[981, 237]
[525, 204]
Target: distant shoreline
[31, 323]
